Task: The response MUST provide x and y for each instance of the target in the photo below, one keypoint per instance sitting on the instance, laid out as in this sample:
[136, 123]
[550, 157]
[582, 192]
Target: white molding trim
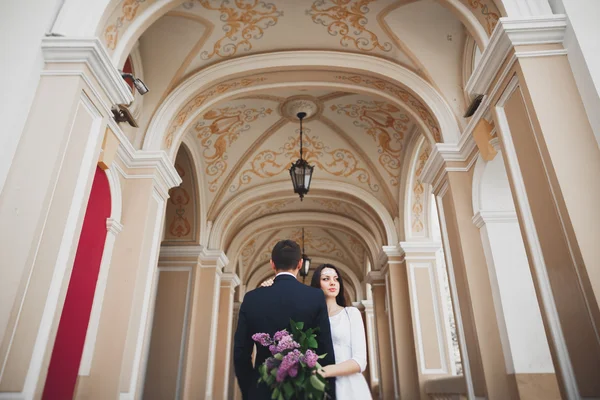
[484, 217]
[300, 59]
[510, 32]
[548, 306]
[420, 247]
[230, 280]
[91, 52]
[168, 251]
[113, 226]
[394, 251]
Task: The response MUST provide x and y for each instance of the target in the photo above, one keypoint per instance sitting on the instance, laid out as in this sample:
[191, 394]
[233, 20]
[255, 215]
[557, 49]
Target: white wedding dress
[349, 343]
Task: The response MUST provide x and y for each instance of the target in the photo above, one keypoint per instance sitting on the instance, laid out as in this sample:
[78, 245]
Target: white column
[526, 8]
[523, 337]
[114, 228]
[371, 340]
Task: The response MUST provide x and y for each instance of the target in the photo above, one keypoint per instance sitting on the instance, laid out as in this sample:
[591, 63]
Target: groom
[269, 309]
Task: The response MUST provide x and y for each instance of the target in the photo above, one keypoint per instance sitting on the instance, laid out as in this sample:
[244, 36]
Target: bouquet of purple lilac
[290, 371]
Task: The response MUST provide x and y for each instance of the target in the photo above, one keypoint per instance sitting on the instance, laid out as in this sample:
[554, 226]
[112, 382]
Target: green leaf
[322, 356]
[278, 356]
[275, 394]
[273, 372]
[288, 389]
[280, 397]
[312, 343]
[316, 383]
[300, 325]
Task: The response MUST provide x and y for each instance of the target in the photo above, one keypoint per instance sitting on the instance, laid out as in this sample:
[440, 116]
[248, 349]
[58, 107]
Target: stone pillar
[223, 366]
[403, 342]
[429, 317]
[201, 349]
[234, 389]
[120, 350]
[55, 161]
[372, 344]
[527, 78]
[386, 387]
[451, 174]
[525, 8]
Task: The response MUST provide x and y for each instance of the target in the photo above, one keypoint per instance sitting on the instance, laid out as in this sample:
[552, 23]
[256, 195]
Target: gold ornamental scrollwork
[387, 125]
[197, 101]
[218, 130]
[403, 95]
[244, 21]
[338, 162]
[418, 190]
[129, 10]
[347, 18]
[180, 198]
[488, 12]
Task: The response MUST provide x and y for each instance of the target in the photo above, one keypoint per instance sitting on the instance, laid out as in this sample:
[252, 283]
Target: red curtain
[70, 338]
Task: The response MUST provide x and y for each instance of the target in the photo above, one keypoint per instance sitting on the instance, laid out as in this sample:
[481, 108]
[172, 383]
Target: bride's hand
[321, 371]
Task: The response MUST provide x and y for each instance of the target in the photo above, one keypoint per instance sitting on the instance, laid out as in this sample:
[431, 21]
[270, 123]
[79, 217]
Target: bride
[348, 334]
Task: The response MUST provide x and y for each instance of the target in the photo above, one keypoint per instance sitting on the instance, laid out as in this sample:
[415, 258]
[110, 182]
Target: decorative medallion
[347, 18]
[310, 105]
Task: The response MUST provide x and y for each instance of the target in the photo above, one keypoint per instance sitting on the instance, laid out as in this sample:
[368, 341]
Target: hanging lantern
[300, 171]
[305, 261]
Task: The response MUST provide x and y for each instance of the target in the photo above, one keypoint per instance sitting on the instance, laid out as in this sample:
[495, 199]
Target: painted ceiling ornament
[489, 12]
[338, 162]
[418, 190]
[310, 105]
[129, 9]
[245, 20]
[347, 18]
[197, 101]
[386, 124]
[403, 95]
[180, 198]
[218, 130]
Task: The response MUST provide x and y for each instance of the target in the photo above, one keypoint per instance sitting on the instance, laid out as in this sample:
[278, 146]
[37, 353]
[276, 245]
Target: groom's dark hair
[285, 255]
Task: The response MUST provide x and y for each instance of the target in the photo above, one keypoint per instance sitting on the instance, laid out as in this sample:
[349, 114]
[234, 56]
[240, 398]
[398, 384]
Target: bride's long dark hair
[316, 283]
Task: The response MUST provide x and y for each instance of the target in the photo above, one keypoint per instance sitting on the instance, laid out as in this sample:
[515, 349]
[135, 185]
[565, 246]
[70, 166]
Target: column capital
[368, 305]
[145, 164]
[448, 157]
[213, 257]
[230, 279]
[420, 250]
[511, 32]
[376, 278]
[193, 255]
[92, 53]
[482, 218]
[359, 305]
[113, 226]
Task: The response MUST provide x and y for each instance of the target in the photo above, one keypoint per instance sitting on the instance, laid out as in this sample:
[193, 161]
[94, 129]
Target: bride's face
[329, 282]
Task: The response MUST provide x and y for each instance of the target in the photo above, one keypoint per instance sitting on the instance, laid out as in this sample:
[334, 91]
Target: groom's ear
[273, 265]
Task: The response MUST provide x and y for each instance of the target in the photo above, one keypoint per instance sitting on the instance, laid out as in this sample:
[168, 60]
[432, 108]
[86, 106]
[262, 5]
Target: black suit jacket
[268, 310]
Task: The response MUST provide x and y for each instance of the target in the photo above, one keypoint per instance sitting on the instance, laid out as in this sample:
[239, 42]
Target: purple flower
[271, 363]
[289, 365]
[273, 349]
[311, 358]
[262, 338]
[280, 335]
[286, 343]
